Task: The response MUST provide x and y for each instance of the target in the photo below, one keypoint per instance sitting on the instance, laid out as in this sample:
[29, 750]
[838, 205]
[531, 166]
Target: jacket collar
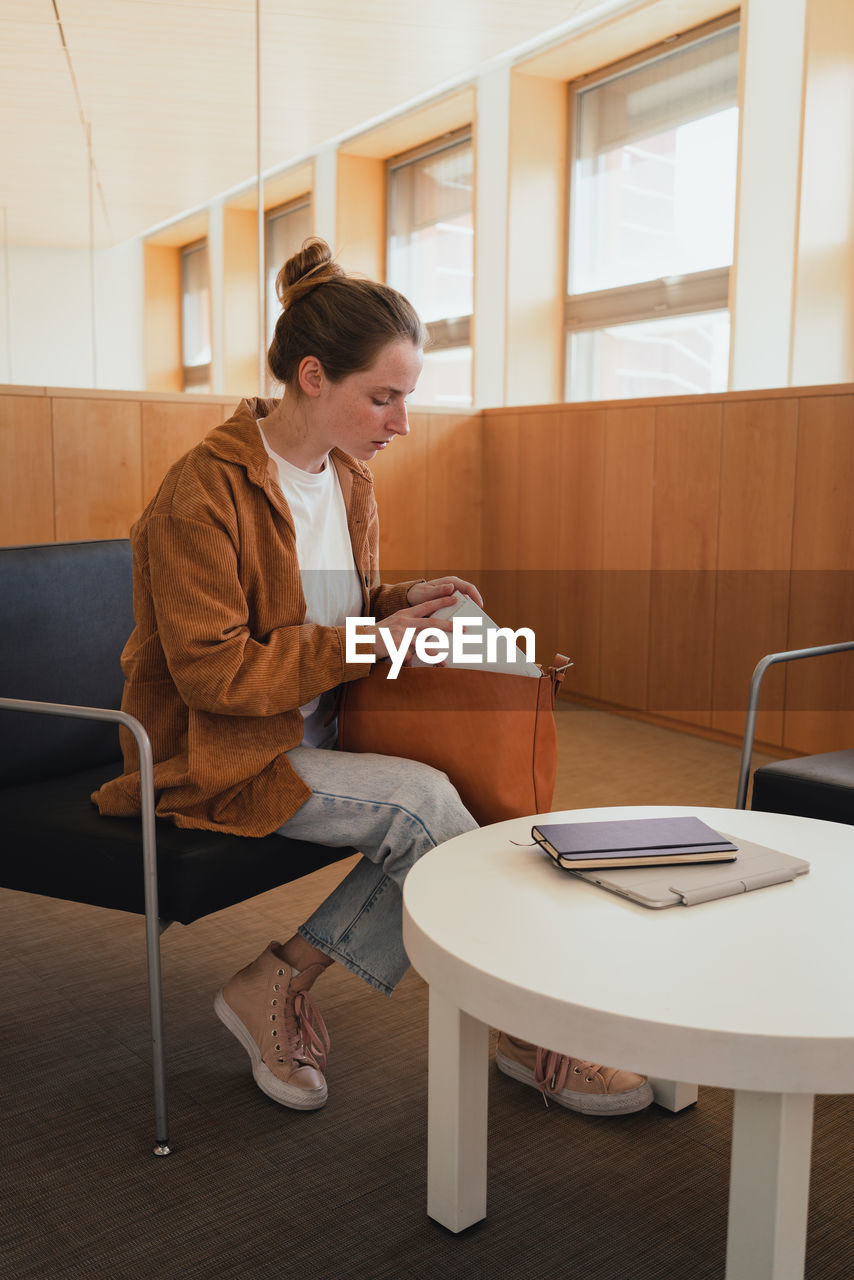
[239, 440]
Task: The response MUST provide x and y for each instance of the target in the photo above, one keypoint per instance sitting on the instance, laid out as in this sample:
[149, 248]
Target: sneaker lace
[551, 1071]
[305, 1030]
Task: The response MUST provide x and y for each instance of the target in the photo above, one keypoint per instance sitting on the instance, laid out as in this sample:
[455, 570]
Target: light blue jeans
[391, 810]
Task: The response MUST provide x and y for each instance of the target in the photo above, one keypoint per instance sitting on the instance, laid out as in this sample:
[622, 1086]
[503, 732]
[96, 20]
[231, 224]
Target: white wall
[120, 317]
[823, 328]
[49, 342]
[792, 286]
[490, 241]
[773, 41]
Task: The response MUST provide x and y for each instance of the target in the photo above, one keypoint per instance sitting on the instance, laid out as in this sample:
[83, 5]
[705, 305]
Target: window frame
[668, 296]
[194, 376]
[447, 333]
[277, 211]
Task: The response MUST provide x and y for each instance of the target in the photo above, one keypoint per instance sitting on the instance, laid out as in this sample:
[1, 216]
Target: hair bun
[344, 325]
[308, 267]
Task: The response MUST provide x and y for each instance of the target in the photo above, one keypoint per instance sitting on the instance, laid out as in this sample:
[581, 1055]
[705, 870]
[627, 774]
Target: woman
[259, 544]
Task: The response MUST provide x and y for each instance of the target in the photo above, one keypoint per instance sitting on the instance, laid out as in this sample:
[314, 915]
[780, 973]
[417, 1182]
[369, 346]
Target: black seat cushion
[819, 786]
[56, 843]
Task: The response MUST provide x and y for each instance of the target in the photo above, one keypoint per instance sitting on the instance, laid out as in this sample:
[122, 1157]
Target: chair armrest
[146, 773]
[790, 655]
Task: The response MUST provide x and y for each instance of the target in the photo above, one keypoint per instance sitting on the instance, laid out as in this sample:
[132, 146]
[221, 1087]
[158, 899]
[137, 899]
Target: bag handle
[556, 672]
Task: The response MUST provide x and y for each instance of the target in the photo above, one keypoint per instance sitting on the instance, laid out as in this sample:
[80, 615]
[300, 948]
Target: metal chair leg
[154, 926]
[158, 1054]
[149, 858]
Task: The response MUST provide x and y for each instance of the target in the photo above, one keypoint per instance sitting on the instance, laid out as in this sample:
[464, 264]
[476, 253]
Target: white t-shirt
[330, 581]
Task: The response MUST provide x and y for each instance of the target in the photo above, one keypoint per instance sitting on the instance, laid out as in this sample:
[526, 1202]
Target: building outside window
[431, 258]
[287, 226]
[652, 214]
[195, 317]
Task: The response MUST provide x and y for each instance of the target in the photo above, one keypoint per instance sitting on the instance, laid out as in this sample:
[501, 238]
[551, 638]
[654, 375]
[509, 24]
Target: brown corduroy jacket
[221, 658]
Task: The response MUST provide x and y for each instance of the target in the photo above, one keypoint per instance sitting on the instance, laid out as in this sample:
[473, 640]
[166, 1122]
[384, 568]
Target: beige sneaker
[581, 1086]
[280, 1027]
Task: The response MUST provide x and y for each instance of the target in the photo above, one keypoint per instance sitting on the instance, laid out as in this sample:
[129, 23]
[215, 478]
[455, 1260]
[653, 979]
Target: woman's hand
[395, 636]
[390, 635]
[442, 589]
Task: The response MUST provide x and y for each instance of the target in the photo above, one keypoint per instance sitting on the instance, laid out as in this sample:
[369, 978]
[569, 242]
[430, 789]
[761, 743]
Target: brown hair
[343, 320]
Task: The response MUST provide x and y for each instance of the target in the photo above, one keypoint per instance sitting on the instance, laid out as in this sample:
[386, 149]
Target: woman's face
[363, 412]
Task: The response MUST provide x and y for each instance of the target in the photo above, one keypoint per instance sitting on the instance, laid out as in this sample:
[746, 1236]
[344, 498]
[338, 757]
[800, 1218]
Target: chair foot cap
[163, 1149]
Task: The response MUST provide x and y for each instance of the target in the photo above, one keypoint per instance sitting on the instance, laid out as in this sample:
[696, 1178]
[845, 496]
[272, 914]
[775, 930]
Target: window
[286, 228]
[652, 214]
[195, 317]
[431, 258]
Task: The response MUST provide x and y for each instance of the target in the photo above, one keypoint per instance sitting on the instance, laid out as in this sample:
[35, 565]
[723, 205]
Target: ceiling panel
[167, 88]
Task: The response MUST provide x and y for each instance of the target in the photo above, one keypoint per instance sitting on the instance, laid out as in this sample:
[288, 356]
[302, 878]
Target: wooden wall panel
[226, 410]
[168, 431]
[453, 496]
[754, 552]
[626, 555]
[401, 492]
[536, 531]
[26, 471]
[97, 467]
[684, 553]
[502, 514]
[570, 518]
[581, 465]
[820, 691]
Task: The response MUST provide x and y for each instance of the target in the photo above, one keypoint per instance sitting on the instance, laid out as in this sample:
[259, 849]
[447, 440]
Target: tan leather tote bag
[492, 733]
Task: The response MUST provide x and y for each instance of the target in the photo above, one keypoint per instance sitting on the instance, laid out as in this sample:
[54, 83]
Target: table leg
[769, 1185]
[673, 1095]
[457, 1094]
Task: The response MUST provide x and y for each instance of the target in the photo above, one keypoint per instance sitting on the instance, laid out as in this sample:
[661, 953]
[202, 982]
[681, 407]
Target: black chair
[817, 786]
[67, 612]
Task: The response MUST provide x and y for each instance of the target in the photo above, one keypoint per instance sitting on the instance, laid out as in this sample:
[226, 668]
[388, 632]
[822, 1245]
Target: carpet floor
[259, 1192]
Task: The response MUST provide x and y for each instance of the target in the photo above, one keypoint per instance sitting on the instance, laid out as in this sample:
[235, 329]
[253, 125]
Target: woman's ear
[310, 376]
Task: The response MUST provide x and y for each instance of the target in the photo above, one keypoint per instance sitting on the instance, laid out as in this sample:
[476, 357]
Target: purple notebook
[633, 841]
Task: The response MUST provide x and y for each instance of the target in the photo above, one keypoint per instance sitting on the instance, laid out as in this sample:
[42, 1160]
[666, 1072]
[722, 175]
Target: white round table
[753, 993]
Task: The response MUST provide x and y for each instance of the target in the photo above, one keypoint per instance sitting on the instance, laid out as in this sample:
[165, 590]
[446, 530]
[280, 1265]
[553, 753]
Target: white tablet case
[464, 607]
[755, 868]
